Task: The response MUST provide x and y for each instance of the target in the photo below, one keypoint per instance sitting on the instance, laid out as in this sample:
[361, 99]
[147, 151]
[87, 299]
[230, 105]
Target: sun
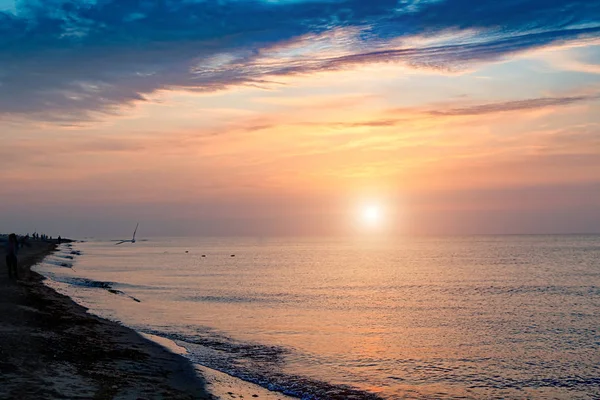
[372, 215]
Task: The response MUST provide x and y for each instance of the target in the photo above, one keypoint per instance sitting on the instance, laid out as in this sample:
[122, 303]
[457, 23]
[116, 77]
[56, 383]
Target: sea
[476, 317]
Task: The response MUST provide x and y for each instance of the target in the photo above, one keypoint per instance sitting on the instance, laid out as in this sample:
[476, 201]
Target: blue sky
[8, 6]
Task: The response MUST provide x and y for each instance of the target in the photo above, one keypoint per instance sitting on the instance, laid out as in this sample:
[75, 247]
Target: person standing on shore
[12, 248]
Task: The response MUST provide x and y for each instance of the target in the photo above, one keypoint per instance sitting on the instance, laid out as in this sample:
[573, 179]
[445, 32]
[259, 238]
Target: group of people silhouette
[38, 236]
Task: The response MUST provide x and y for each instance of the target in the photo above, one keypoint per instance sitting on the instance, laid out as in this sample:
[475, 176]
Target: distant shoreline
[70, 353]
[51, 347]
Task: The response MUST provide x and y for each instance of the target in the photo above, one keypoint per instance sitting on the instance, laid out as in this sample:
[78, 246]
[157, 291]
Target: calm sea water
[469, 317]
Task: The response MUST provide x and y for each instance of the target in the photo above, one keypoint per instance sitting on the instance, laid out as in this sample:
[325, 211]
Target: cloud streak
[518, 105]
[395, 117]
[69, 60]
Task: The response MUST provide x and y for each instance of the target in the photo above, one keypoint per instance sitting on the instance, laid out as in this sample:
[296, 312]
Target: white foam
[218, 383]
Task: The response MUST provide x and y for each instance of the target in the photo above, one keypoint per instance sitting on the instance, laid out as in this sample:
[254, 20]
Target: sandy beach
[51, 348]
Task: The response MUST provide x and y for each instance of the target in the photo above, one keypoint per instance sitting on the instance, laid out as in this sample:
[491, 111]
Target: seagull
[132, 240]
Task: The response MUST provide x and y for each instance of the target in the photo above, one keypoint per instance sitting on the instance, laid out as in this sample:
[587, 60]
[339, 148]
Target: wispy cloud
[399, 116]
[518, 105]
[584, 59]
[67, 60]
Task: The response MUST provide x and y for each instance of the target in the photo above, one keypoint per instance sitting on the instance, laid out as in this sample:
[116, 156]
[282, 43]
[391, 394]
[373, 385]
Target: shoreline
[51, 348]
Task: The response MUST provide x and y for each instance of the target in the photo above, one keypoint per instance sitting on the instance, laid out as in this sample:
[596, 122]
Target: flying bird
[132, 240]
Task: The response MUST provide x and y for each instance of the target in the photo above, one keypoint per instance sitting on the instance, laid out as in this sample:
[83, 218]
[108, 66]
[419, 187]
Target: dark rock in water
[203, 255]
[65, 265]
[233, 255]
[119, 292]
[187, 251]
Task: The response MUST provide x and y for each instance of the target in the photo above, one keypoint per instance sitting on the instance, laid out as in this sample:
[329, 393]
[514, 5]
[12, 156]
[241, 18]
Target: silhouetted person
[59, 239]
[12, 248]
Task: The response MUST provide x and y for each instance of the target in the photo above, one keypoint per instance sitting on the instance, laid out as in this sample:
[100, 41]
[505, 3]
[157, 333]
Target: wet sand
[51, 348]
[221, 385]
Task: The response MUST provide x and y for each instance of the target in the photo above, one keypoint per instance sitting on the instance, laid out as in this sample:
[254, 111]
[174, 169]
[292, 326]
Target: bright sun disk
[371, 215]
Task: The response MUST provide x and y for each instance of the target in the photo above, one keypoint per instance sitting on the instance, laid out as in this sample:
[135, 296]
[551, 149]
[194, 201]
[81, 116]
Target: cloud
[583, 59]
[399, 116]
[518, 105]
[69, 60]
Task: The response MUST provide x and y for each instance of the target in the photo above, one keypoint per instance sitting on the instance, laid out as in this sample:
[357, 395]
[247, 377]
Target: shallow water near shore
[472, 317]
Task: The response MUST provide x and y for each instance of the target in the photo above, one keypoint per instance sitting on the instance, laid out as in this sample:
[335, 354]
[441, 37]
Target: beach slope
[51, 348]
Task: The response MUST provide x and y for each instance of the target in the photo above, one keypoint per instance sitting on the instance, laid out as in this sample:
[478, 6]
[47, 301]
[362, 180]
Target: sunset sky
[286, 117]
